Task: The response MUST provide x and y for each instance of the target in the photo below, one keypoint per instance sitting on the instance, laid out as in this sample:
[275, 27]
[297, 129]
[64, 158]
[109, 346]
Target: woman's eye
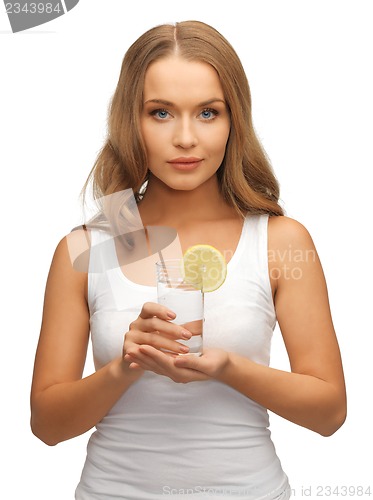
[209, 114]
[161, 114]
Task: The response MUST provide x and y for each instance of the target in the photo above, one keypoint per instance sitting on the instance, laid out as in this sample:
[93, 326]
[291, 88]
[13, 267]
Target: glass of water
[185, 299]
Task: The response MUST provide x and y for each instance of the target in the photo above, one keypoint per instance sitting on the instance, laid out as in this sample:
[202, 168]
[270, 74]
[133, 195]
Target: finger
[156, 361]
[160, 363]
[134, 366]
[150, 309]
[167, 366]
[137, 362]
[192, 362]
[148, 350]
[156, 358]
[155, 340]
[166, 328]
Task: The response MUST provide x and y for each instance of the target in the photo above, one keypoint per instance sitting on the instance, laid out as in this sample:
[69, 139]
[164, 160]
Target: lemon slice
[205, 264]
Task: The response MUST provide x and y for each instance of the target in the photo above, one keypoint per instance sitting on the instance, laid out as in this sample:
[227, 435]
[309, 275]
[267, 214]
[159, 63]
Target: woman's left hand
[180, 369]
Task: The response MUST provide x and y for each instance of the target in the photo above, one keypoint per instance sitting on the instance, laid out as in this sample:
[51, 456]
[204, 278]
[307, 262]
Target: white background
[309, 67]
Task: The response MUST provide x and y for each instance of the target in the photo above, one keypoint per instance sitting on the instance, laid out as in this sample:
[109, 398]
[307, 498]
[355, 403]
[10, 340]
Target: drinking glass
[185, 299]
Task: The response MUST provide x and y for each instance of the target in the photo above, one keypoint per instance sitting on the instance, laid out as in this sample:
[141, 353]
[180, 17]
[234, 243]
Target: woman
[181, 137]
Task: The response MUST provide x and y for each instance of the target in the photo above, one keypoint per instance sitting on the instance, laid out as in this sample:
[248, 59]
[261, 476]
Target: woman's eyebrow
[169, 103]
[159, 101]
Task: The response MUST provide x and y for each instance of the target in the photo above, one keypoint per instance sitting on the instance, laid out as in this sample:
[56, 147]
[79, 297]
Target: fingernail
[185, 334]
[184, 348]
[171, 315]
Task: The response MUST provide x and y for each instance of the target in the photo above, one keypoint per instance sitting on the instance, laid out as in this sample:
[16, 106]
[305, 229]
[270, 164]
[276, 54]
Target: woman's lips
[185, 163]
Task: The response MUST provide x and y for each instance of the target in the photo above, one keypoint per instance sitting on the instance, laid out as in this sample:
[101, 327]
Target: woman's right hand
[153, 327]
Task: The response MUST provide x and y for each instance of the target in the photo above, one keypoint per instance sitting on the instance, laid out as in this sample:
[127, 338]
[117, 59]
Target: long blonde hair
[245, 176]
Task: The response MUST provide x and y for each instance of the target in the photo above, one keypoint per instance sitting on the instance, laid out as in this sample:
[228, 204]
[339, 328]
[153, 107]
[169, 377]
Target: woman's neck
[163, 205]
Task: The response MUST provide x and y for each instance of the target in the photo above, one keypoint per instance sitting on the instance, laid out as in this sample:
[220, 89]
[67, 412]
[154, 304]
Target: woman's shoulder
[285, 232]
[72, 250]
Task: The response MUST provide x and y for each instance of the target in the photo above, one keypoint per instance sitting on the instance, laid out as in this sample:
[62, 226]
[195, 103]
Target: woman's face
[184, 122]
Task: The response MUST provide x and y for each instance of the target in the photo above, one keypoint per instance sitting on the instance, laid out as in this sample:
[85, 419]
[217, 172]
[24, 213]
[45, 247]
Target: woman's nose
[185, 134]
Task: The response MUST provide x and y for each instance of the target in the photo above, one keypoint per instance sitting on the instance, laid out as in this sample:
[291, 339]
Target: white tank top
[201, 440]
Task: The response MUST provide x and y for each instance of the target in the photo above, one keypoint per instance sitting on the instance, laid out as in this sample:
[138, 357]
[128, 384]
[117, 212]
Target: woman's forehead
[174, 77]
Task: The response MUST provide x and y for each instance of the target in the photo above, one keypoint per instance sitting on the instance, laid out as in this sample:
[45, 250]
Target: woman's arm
[64, 405]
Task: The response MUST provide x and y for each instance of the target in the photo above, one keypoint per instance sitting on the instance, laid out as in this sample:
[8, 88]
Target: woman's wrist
[235, 369]
[225, 373]
[121, 372]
